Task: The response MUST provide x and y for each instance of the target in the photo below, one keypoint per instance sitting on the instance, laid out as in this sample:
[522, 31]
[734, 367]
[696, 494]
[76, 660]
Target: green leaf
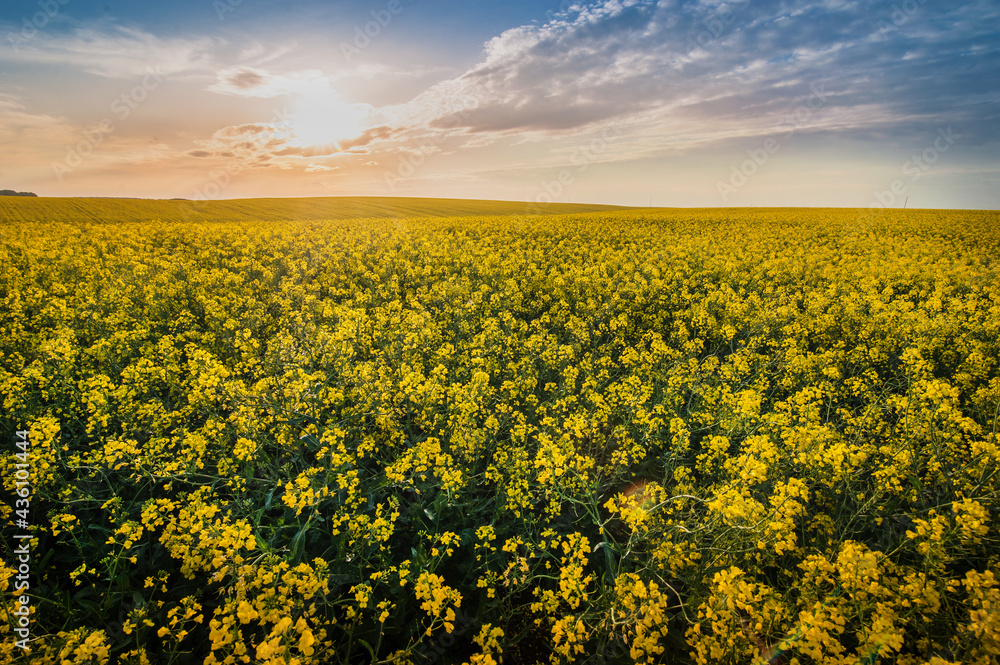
[299, 544]
[368, 647]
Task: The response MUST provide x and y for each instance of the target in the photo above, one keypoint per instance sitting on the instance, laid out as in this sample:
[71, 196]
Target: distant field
[243, 210]
[627, 436]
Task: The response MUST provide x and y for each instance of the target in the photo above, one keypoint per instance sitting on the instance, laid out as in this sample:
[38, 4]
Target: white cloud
[252, 82]
[702, 72]
[114, 51]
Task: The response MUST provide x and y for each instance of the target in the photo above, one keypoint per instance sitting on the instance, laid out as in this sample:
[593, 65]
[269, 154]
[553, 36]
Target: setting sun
[322, 118]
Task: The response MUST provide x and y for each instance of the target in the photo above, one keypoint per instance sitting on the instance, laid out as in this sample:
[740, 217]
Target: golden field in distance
[426, 431]
[284, 209]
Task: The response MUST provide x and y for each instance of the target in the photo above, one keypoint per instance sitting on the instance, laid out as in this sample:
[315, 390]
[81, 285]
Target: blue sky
[678, 103]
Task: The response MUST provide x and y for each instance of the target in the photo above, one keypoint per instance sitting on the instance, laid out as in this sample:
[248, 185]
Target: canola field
[650, 436]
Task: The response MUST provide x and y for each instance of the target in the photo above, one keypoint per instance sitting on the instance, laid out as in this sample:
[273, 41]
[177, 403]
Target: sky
[632, 102]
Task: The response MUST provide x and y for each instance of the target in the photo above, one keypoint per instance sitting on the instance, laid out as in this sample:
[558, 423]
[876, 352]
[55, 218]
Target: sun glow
[322, 118]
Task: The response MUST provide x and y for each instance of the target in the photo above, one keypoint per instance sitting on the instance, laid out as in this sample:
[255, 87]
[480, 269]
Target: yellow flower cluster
[645, 615]
[201, 543]
[735, 620]
[439, 601]
[648, 436]
[270, 614]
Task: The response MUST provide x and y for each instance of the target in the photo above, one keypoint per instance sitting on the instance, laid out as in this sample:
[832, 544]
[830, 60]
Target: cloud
[30, 141]
[115, 51]
[316, 122]
[261, 145]
[245, 78]
[349, 145]
[16, 122]
[368, 136]
[253, 144]
[707, 71]
[246, 81]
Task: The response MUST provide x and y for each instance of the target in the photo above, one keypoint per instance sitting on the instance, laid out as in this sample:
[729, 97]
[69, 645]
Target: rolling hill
[231, 210]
